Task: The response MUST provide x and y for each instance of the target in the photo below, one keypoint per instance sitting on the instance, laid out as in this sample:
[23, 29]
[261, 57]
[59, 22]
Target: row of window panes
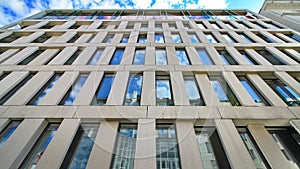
[163, 90]
[160, 38]
[162, 59]
[167, 151]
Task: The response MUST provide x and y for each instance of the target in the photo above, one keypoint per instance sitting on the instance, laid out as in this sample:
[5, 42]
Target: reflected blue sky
[116, 60]
[182, 57]
[159, 38]
[96, 57]
[139, 57]
[205, 59]
[75, 90]
[161, 57]
[163, 89]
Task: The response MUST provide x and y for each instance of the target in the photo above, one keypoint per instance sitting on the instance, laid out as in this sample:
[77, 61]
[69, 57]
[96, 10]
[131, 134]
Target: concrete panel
[57, 149]
[65, 37]
[54, 96]
[281, 56]
[84, 38]
[148, 96]
[268, 147]
[20, 56]
[237, 56]
[214, 55]
[171, 56]
[95, 25]
[257, 57]
[288, 80]
[37, 25]
[88, 90]
[44, 57]
[128, 56]
[102, 152]
[11, 81]
[193, 56]
[30, 38]
[106, 55]
[238, 89]
[133, 37]
[99, 37]
[202, 37]
[237, 153]
[66, 25]
[15, 149]
[7, 54]
[150, 56]
[26, 93]
[189, 154]
[145, 144]
[118, 89]
[63, 56]
[209, 95]
[294, 54]
[180, 96]
[85, 56]
[3, 123]
[265, 90]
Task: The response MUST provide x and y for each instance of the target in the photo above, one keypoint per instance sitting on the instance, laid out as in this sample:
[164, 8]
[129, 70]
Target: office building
[149, 89]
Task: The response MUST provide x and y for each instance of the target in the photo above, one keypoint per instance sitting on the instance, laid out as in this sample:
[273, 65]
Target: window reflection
[117, 57]
[139, 57]
[163, 91]
[205, 59]
[8, 131]
[193, 91]
[227, 58]
[159, 38]
[103, 90]
[133, 94]
[273, 59]
[176, 38]
[161, 57]
[182, 57]
[211, 38]
[95, 57]
[193, 38]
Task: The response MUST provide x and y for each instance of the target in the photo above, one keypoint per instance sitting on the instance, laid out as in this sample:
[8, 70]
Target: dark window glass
[74, 38]
[248, 58]
[16, 88]
[288, 95]
[74, 90]
[8, 131]
[211, 150]
[40, 146]
[273, 59]
[268, 40]
[288, 141]
[79, 152]
[167, 154]
[228, 59]
[31, 57]
[10, 38]
[103, 90]
[117, 57]
[41, 39]
[73, 57]
[125, 148]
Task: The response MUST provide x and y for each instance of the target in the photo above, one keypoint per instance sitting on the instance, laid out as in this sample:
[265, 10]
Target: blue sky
[13, 10]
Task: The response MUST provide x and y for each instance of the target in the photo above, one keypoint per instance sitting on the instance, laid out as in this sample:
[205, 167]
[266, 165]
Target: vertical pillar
[148, 96]
[118, 89]
[180, 96]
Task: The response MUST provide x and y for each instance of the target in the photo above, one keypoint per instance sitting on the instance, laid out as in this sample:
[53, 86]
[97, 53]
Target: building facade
[285, 12]
[149, 89]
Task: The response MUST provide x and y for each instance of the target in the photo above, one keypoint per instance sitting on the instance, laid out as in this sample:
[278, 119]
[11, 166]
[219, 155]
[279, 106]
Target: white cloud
[61, 4]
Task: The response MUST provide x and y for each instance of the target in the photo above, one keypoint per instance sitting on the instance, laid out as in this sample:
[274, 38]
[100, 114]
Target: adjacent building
[286, 12]
[149, 89]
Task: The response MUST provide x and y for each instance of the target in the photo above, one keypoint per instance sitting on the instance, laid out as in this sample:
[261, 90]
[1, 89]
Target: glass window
[295, 37]
[10, 38]
[243, 25]
[163, 91]
[211, 38]
[16, 88]
[223, 91]
[125, 147]
[42, 93]
[74, 90]
[274, 60]
[108, 38]
[117, 57]
[193, 91]
[142, 39]
[182, 57]
[176, 38]
[31, 57]
[158, 26]
[134, 89]
[228, 38]
[125, 39]
[40, 146]
[253, 92]
[273, 26]
[167, 155]
[81, 147]
[103, 90]
[139, 57]
[161, 57]
[248, 58]
[288, 141]
[266, 39]
[229, 25]
[246, 38]
[74, 38]
[201, 26]
[193, 38]
[210, 147]
[205, 59]
[95, 57]
[73, 57]
[288, 95]
[8, 131]
[227, 58]
[41, 39]
[159, 38]
[257, 157]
